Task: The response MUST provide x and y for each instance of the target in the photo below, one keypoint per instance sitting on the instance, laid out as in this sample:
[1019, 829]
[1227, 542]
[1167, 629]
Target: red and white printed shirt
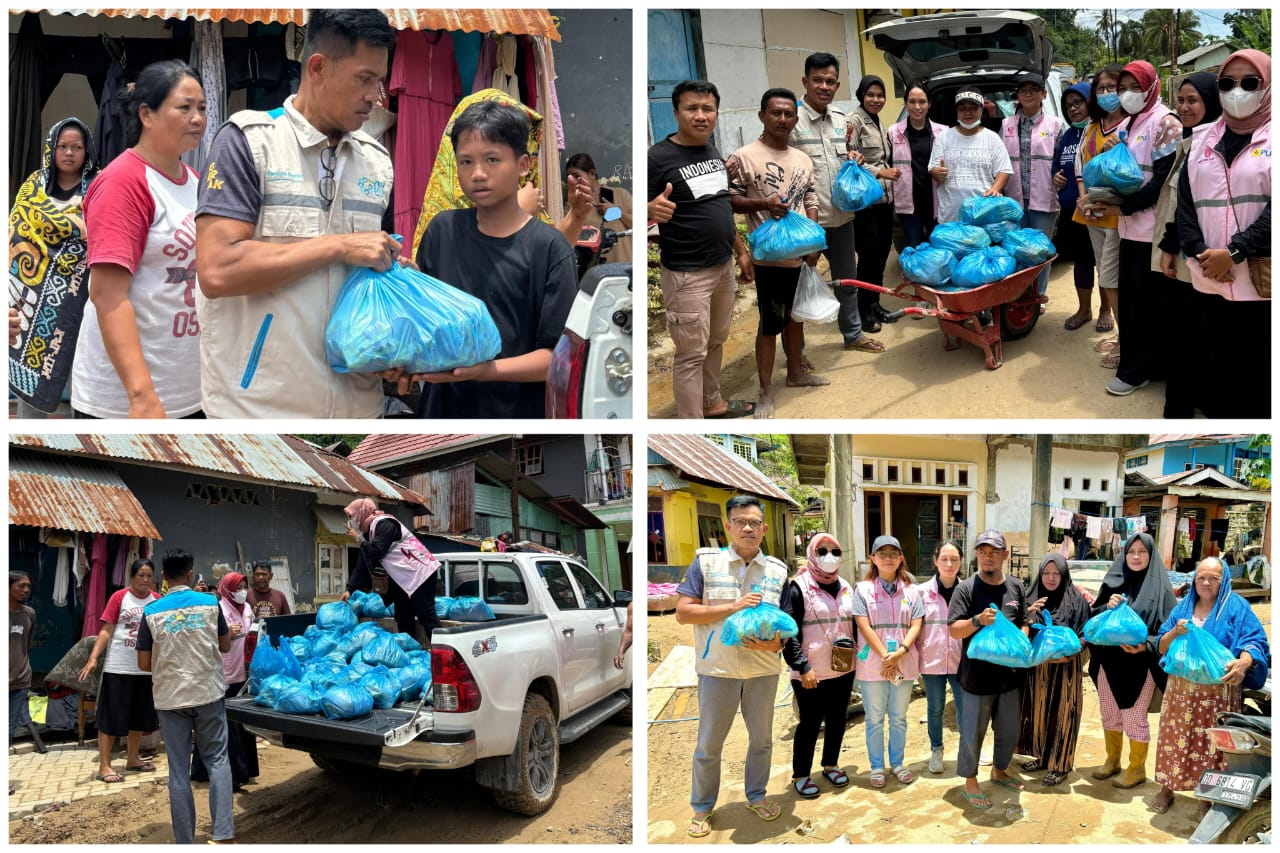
[138, 218]
[124, 610]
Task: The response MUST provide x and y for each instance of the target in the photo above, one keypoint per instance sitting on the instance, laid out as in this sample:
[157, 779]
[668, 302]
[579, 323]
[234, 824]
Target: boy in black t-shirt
[520, 267]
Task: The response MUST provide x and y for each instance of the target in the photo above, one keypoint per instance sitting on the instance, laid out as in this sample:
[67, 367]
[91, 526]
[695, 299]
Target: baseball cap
[970, 95]
[992, 537]
[885, 542]
[1028, 77]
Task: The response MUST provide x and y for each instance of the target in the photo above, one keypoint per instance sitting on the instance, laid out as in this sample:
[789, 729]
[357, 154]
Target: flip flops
[109, 778]
[1008, 782]
[1106, 345]
[765, 810]
[699, 827]
[1053, 778]
[1105, 323]
[144, 767]
[877, 778]
[1032, 765]
[805, 787]
[835, 776]
[978, 800]
[737, 409]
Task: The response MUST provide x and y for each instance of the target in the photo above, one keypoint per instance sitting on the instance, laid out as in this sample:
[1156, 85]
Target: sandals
[835, 776]
[1106, 323]
[1107, 344]
[109, 778]
[1032, 765]
[144, 767]
[1008, 782]
[1052, 778]
[699, 827]
[765, 810]
[1075, 321]
[904, 775]
[877, 778]
[1111, 361]
[805, 787]
[978, 800]
[737, 409]
[865, 344]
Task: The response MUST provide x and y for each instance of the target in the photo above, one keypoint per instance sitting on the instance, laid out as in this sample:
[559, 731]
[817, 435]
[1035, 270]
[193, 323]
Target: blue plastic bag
[926, 264]
[792, 236]
[413, 678]
[855, 188]
[324, 642]
[1119, 626]
[987, 210]
[298, 698]
[1116, 168]
[384, 650]
[336, 616]
[1028, 247]
[266, 662]
[468, 608]
[292, 668]
[405, 318]
[959, 239]
[383, 686]
[983, 267]
[321, 675]
[408, 643]
[997, 231]
[346, 702]
[270, 689]
[1197, 656]
[1052, 642]
[760, 622]
[301, 647]
[443, 603]
[1001, 643]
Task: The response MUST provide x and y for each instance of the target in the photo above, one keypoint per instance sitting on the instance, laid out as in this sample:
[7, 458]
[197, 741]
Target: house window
[893, 474]
[1106, 485]
[710, 526]
[529, 458]
[939, 476]
[1135, 462]
[917, 475]
[331, 569]
[1086, 483]
[744, 448]
[962, 477]
[213, 494]
[718, 439]
[1066, 483]
[868, 471]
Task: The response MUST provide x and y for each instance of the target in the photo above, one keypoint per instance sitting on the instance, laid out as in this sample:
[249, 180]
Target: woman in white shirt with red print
[139, 349]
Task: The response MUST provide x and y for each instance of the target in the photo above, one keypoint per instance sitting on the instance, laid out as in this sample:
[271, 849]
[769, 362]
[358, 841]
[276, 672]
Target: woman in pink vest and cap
[387, 546]
[821, 602]
[1224, 227]
[939, 651]
[889, 616]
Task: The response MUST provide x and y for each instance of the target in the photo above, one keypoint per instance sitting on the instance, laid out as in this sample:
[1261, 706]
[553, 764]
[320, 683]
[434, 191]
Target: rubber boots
[1136, 773]
[1114, 742]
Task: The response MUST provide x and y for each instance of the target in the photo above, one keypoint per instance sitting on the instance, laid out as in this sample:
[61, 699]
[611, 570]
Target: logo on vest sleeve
[372, 188]
[213, 182]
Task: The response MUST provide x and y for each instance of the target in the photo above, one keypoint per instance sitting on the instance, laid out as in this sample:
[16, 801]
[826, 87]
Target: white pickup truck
[506, 694]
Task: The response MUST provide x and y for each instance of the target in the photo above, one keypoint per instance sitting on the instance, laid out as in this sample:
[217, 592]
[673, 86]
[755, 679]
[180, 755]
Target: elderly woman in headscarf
[1224, 228]
[1197, 104]
[1183, 751]
[1127, 676]
[388, 548]
[821, 602]
[1054, 697]
[242, 748]
[47, 271]
[873, 226]
[1153, 132]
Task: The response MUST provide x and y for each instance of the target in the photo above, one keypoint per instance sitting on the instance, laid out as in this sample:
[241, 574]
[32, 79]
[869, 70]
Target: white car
[590, 374]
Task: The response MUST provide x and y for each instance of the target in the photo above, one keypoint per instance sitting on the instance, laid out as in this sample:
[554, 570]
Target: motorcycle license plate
[1231, 789]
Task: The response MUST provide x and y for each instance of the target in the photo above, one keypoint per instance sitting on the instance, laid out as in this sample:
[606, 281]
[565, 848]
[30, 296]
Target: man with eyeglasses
[716, 585]
[291, 200]
[1031, 137]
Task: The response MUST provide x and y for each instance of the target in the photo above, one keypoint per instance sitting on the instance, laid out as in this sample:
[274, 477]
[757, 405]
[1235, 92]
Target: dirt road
[1052, 373]
[294, 802]
[930, 810]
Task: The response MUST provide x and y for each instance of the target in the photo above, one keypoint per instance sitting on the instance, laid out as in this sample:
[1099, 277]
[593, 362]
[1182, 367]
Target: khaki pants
[699, 314]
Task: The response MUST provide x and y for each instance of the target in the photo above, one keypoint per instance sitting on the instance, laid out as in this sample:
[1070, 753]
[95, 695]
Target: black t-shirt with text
[971, 598]
[701, 231]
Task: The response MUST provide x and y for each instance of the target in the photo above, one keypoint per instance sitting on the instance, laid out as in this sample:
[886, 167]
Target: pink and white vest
[903, 201]
[939, 653]
[890, 618]
[408, 561]
[1250, 182]
[826, 620]
[1045, 130]
[1140, 139]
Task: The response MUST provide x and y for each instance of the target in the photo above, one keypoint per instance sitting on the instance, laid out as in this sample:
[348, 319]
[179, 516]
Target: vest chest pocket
[360, 220]
[291, 222]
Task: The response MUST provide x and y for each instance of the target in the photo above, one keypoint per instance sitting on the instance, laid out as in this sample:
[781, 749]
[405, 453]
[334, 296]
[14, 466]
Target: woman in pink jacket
[915, 196]
[939, 652]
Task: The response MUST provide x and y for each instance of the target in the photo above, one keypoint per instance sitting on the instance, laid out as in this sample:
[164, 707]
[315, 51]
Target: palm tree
[1106, 30]
[1156, 37]
[1129, 40]
[1250, 30]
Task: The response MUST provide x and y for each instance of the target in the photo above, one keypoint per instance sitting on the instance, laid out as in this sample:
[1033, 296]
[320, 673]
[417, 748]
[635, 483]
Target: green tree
[1156, 24]
[1129, 40]
[779, 464]
[1249, 28]
[1082, 48]
[1257, 472]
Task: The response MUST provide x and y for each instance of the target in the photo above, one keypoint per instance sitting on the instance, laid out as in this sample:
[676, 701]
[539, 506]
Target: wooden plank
[657, 701]
[676, 670]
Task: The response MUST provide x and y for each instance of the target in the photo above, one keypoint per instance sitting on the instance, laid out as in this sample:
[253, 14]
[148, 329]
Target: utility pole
[515, 491]
[1173, 51]
[1041, 481]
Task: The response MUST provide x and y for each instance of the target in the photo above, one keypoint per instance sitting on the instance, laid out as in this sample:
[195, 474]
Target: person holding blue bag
[1128, 676]
[873, 226]
[1054, 699]
[1183, 750]
[991, 695]
[1073, 236]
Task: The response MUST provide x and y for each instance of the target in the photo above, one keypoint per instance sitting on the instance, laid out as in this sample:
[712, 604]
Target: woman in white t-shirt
[968, 160]
[138, 354]
[125, 706]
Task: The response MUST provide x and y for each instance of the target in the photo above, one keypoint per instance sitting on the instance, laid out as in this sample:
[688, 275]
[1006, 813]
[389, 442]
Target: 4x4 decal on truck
[483, 647]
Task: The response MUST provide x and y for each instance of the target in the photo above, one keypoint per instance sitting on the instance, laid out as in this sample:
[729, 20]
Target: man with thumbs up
[697, 241]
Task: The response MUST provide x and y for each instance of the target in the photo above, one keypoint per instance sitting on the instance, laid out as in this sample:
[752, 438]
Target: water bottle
[892, 646]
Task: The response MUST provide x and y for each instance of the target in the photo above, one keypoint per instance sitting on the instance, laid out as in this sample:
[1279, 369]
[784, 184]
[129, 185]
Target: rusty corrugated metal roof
[702, 459]
[382, 449]
[281, 459]
[73, 494]
[533, 22]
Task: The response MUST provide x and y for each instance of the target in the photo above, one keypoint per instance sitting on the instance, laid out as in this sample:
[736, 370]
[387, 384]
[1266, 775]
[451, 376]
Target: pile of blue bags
[463, 608]
[928, 264]
[958, 238]
[340, 667]
[791, 236]
[983, 267]
[985, 246]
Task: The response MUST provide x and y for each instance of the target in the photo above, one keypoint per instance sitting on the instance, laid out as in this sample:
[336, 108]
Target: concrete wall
[1012, 514]
[563, 464]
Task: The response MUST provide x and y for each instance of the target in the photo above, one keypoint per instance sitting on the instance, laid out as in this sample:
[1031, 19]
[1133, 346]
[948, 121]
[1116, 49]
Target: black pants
[242, 751]
[1235, 372]
[1185, 382]
[872, 238]
[828, 702]
[422, 605]
[1143, 304]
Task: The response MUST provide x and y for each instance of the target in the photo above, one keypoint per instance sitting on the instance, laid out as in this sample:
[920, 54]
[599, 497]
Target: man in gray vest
[716, 585]
[291, 201]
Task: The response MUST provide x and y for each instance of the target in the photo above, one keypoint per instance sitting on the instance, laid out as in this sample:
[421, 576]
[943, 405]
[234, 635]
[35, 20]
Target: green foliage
[1249, 28]
[1258, 471]
[779, 465]
[329, 440]
[1073, 44]
[1155, 38]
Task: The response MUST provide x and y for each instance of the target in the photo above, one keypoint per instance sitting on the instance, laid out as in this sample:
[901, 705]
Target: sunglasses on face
[1250, 83]
[835, 552]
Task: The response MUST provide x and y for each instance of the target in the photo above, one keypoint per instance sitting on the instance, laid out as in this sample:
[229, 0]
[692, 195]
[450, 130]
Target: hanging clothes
[110, 130]
[1061, 518]
[25, 102]
[95, 598]
[504, 72]
[466, 52]
[546, 76]
[485, 65]
[527, 70]
[62, 577]
[207, 58]
[1093, 526]
[82, 557]
[425, 77]
[118, 574]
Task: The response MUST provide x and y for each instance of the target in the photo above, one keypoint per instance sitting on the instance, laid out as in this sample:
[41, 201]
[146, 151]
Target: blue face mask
[1110, 102]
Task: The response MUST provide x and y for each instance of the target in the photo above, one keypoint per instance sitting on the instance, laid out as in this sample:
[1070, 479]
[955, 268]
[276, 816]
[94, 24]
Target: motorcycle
[1240, 796]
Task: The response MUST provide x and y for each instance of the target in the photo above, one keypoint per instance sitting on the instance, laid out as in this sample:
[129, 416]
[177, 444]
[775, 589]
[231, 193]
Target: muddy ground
[930, 810]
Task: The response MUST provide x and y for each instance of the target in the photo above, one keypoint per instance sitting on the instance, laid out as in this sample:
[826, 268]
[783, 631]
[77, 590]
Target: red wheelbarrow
[984, 316]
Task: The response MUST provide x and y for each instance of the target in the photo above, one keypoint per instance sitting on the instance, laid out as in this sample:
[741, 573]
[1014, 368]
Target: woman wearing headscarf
[873, 226]
[1197, 104]
[1128, 676]
[1183, 750]
[242, 747]
[1054, 697]
[821, 602]
[1072, 241]
[47, 269]
[1224, 227]
[389, 548]
[1152, 133]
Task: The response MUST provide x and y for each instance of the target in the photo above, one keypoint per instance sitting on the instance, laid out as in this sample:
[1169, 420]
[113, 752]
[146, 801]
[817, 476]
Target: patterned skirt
[1051, 707]
[1182, 749]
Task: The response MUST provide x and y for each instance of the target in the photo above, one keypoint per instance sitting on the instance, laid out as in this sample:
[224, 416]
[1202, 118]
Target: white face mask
[241, 595]
[1133, 102]
[829, 562]
[1241, 104]
[969, 125]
